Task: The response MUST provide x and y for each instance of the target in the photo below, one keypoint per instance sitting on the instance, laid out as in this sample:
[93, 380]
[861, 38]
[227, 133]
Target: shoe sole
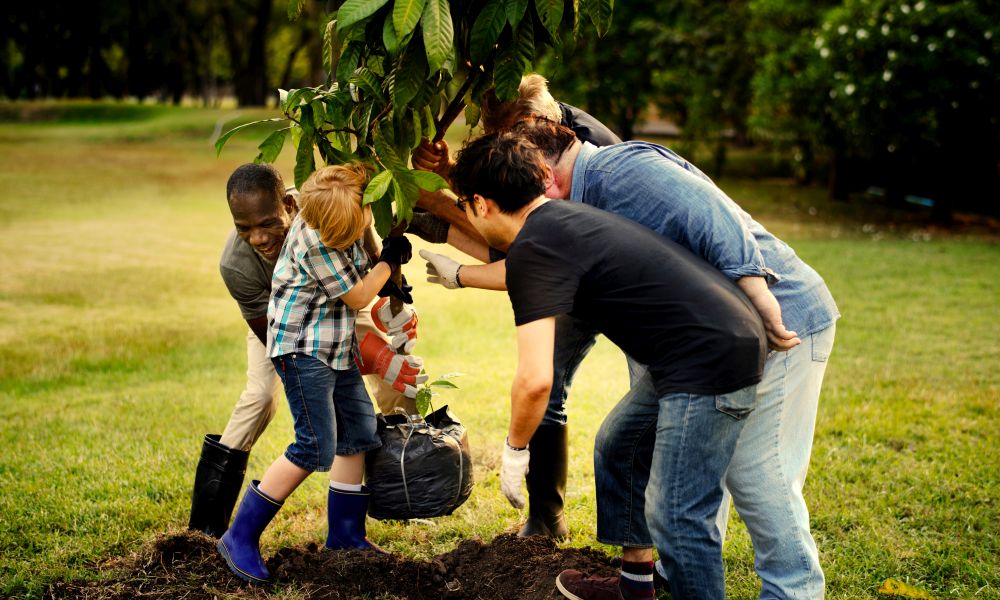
[566, 592]
[221, 547]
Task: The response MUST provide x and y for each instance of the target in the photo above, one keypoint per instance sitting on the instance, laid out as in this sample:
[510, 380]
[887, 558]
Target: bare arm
[258, 326]
[365, 290]
[778, 338]
[529, 394]
[492, 276]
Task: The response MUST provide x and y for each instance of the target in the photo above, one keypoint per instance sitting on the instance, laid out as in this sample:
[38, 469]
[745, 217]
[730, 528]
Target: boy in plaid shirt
[322, 278]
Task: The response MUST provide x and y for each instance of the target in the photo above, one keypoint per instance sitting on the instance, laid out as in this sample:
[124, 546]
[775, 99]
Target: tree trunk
[248, 60]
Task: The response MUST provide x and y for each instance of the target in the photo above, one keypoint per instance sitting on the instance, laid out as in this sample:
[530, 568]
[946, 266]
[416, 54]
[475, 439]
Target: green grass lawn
[120, 348]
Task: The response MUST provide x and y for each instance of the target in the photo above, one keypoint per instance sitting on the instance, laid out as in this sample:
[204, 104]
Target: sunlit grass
[120, 348]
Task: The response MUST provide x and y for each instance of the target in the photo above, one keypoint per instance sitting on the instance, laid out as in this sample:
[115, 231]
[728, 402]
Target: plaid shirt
[305, 314]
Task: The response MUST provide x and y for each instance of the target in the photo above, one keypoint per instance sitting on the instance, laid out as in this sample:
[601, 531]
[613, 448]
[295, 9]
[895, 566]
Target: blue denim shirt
[656, 187]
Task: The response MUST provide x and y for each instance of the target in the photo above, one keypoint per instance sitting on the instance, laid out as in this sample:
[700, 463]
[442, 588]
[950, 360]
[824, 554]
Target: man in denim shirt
[657, 188]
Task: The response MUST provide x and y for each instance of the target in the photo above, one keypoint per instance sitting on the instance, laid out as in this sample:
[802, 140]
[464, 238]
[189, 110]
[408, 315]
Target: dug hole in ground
[186, 565]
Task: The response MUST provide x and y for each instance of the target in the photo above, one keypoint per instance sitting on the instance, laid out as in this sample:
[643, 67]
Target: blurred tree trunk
[248, 53]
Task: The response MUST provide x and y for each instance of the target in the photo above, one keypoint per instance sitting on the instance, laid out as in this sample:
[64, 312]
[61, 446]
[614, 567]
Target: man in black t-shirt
[700, 336]
[547, 473]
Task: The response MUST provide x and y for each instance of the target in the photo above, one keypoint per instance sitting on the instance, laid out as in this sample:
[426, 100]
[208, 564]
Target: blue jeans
[331, 411]
[669, 497]
[574, 339]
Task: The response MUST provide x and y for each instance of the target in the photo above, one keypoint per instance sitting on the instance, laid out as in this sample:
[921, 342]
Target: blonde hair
[330, 203]
[533, 100]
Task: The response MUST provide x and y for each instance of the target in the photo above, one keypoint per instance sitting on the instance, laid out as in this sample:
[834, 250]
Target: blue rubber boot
[240, 545]
[346, 513]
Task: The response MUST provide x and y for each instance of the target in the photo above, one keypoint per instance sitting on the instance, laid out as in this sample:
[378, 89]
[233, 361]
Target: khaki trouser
[258, 402]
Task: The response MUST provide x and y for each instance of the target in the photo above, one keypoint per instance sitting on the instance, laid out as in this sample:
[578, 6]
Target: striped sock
[636, 581]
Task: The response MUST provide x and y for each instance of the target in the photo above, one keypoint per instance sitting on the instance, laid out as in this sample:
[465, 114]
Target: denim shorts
[331, 410]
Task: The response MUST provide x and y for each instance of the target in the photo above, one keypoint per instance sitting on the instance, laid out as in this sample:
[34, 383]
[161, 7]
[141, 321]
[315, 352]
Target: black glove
[391, 289]
[396, 251]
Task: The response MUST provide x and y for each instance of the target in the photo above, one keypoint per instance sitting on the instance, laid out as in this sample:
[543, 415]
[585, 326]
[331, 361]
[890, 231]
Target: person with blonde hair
[322, 278]
[263, 209]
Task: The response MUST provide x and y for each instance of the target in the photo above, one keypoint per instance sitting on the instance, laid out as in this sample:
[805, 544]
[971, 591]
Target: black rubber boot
[217, 484]
[546, 481]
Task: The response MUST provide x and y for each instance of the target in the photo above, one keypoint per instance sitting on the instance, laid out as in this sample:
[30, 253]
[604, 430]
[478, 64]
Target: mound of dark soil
[186, 565]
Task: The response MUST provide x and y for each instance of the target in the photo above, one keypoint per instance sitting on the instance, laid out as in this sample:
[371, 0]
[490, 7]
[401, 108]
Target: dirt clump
[186, 565]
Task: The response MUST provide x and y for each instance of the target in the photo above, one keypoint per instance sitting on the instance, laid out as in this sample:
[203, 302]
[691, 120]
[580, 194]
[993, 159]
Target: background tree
[787, 111]
[903, 95]
[913, 93]
[612, 77]
[688, 59]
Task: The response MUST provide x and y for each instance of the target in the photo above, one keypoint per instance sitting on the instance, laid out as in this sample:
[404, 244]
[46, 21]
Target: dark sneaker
[578, 586]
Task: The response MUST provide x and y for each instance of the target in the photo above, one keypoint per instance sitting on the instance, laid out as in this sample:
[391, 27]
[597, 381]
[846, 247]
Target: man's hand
[401, 328]
[433, 157]
[442, 269]
[778, 338]
[513, 468]
[401, 371]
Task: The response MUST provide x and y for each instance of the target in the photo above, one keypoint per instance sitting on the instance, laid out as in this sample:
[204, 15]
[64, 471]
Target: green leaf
[271, 147]
[513, 62]
[428, 121]
[423, 400]
[439, 33]
[318, 113]
[486, 31]
[348, 61]
[353, 11]
[443, 383]
[295, 9]
[600, 12]
[515, 11]
[404, 196]
[219, 143]
[331, 154]
[382, 215]
[361, 118]
[428, 181]
[383, 139]
[305, 160]
[472, 114]
[407, 78]
[405, 14]
[331, 45]
[369, 83]
[377, 187]
[389, 39]
[550, 13]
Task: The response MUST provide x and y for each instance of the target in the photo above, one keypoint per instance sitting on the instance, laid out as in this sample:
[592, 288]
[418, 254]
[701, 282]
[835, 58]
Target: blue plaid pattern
[305, 314]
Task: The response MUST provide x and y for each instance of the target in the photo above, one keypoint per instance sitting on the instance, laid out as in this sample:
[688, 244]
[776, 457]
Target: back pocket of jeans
[738, 404]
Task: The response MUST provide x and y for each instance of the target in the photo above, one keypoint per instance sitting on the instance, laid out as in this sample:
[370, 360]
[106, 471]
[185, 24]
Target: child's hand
[401, 371]
[401, 328]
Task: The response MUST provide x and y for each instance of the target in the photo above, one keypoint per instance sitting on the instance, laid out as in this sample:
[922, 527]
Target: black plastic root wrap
[423, 468]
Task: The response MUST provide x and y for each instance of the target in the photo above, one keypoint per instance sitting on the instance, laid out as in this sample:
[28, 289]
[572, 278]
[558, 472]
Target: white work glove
[442, 269]
[513, 468]
[401, 371]
[401, 329]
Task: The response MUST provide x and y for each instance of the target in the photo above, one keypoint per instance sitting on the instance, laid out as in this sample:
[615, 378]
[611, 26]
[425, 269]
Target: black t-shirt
[586, 127]
[661, 304]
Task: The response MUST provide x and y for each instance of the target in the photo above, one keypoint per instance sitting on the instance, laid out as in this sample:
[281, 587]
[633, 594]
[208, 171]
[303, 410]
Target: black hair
[254, 177]
[502, 167]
